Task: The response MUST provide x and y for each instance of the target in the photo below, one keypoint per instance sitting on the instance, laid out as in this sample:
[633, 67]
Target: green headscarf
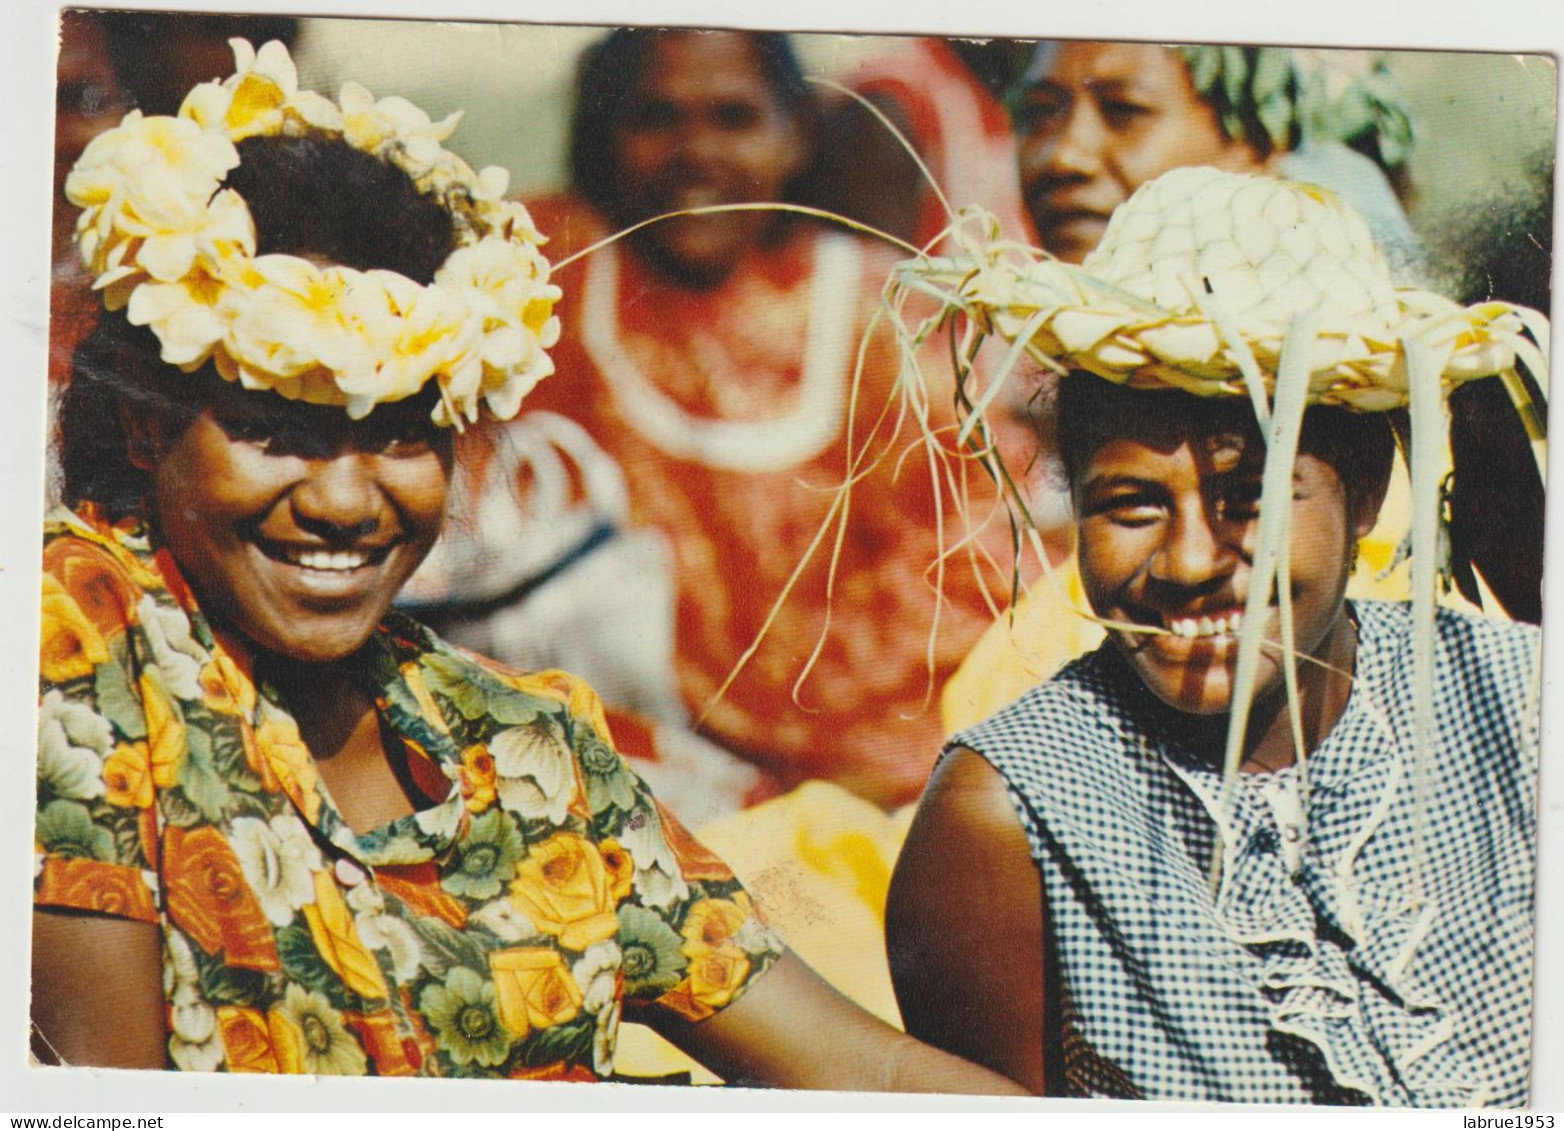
[1279, 98]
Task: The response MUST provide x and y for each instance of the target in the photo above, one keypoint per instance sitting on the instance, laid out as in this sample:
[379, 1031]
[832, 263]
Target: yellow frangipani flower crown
[167, 243]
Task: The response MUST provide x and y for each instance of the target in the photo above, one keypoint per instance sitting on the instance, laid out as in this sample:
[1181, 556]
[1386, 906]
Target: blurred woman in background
[712, 358]
[1098, 120]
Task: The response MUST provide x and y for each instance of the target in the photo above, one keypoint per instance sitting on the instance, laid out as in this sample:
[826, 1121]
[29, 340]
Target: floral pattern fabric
[499, 933]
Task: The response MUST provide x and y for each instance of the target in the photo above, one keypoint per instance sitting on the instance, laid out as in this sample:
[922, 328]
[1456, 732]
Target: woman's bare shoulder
[964, 923]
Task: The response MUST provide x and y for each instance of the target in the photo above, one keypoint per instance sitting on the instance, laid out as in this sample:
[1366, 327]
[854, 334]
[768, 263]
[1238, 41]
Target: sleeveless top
[1316, 974]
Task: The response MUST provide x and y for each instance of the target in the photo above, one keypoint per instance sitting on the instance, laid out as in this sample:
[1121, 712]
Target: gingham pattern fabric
[1325, 983]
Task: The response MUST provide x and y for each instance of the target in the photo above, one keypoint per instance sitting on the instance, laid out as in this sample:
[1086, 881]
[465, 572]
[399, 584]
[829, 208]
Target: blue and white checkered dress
[1314, 975]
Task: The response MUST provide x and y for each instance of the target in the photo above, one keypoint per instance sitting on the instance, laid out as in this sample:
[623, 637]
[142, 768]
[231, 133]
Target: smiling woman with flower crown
[316, 838]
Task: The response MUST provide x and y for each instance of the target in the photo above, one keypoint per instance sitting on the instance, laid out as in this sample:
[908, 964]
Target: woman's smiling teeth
[1206, 626]
[333, 561]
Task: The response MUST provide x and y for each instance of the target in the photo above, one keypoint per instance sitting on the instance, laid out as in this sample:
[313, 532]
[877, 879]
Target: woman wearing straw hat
[1265, 844]
[280, 828]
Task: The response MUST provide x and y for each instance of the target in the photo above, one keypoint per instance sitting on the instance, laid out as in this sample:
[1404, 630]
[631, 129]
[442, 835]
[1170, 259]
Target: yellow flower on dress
[553, 685]
[621, 868]
[127, 776]
[534, 987]
[718, 966]
[226, 688]
[477, 778]
[413, 676]
[714, 975]
[565, 888]
[712, 923]
[331, 926]
[70, 646]
[247, 1040]
[562, 687]
[166, 745]
[290, 761]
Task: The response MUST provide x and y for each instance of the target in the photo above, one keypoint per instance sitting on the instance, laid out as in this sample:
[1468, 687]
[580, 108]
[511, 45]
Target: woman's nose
[1077, 148]
[701, 144]
[1193, 552]
[339, 497]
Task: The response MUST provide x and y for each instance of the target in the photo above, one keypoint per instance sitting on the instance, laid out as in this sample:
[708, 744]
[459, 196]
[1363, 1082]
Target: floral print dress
[497, 934]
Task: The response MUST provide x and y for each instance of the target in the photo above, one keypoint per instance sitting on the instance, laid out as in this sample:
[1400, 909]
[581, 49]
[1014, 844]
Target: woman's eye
[403, 444]
[1041, 111]
[269, 438]
[1132, 510]
[1241, 504]
[1134, 514]
[736, 115]
[249, 430]
[1121, 114]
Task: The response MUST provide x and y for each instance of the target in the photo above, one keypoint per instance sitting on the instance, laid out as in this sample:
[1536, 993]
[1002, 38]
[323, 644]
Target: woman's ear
[143, 433]
[1365, 503]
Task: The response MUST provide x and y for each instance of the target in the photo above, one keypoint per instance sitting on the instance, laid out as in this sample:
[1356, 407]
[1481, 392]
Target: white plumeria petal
[207, 104]
[274, 62]
[493, 180]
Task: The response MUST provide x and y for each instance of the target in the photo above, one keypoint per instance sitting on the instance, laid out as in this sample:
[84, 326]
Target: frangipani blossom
[292, 317]
[266, 99]
[415, 333]
[184, 316]
[151, 179]
[371, 126]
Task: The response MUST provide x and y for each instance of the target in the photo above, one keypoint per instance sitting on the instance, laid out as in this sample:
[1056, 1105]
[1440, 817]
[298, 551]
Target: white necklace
[803, 432]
